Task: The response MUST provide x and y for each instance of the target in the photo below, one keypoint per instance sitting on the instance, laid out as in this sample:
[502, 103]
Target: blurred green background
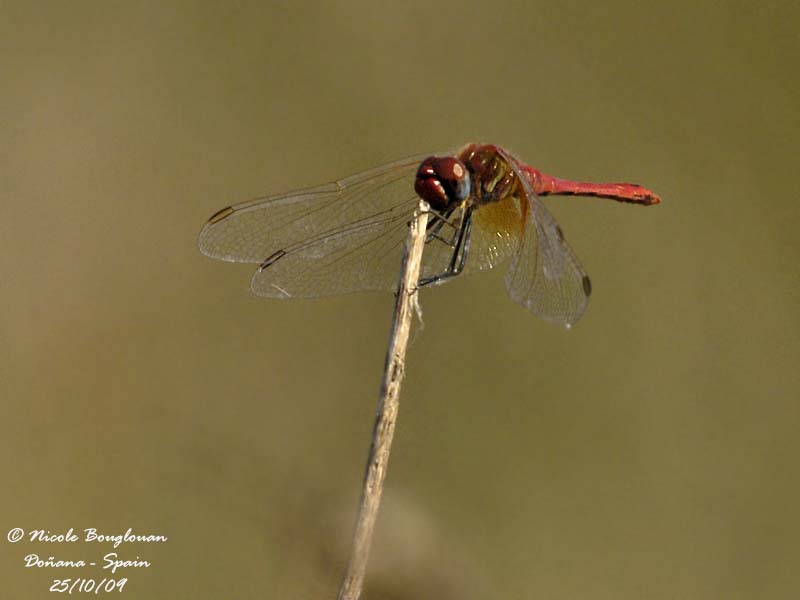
[649, 453]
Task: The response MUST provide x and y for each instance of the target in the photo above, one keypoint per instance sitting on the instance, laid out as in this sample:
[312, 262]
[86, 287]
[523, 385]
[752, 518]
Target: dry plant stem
[388, 405]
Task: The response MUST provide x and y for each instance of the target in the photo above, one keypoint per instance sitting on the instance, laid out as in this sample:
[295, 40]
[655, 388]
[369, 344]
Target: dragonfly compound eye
[444, 183]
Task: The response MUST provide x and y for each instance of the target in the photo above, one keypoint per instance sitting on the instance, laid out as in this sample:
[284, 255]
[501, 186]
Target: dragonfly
[349, 235]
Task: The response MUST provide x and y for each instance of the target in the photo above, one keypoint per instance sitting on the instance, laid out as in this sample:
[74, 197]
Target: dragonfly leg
[460, 252]
[433, 233]
[436, 225]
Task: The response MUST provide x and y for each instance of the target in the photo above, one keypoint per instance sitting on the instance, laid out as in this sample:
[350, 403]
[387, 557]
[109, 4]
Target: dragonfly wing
[332, 239]
[545, 276]
[363, 256]
[495, 235]
[253, 231]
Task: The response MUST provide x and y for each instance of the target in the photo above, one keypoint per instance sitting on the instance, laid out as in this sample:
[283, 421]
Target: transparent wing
[331, 239]
[495, 235]
[364, 256]
[545, 276]
[253, 231]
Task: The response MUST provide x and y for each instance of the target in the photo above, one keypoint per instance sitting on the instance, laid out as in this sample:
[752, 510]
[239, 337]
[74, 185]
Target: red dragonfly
[348, 235]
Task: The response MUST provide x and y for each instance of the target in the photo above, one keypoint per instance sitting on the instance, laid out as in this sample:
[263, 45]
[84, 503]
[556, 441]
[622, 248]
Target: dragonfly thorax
[493, 177]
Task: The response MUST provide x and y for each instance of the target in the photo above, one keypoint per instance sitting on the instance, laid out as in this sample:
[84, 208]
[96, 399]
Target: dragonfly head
[443, 182]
